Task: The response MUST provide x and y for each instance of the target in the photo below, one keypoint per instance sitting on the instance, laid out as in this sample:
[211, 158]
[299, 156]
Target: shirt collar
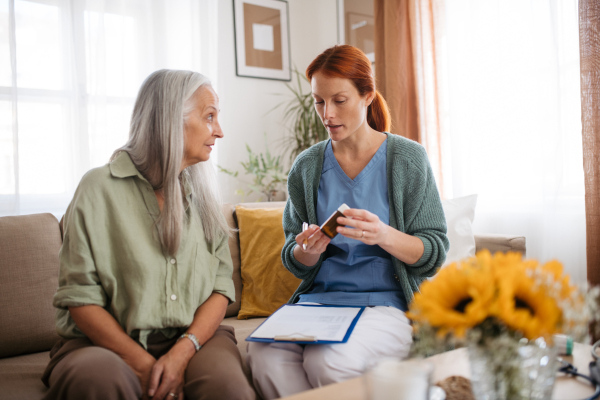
[123, 167]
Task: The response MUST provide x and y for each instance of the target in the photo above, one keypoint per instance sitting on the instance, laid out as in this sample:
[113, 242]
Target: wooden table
[456, 362]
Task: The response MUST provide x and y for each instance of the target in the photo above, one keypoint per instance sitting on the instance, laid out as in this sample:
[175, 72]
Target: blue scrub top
[354, 273]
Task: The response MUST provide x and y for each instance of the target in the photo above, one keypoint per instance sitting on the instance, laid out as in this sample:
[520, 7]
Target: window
[69, 75]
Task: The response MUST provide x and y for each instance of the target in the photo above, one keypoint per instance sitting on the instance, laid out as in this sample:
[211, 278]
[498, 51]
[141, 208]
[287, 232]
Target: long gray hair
[156, 147]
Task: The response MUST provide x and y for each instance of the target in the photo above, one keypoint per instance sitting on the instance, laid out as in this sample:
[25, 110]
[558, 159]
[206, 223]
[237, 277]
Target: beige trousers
[80, 370]
[283, 369]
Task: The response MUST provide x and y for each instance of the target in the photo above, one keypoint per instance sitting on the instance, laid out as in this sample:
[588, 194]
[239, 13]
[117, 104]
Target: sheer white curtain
[69, 74]
[515, 121]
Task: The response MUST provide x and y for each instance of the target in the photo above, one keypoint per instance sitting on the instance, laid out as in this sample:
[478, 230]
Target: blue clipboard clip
[299, 338]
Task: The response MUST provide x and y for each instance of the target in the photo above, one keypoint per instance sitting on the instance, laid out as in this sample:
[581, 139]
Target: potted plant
[267, 172]
[301, 118]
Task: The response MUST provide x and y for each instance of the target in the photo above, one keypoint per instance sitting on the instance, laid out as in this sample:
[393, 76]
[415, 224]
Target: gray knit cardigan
[415, 208]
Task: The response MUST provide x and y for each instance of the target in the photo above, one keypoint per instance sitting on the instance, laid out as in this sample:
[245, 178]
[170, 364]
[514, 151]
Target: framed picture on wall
[262, 46]
[360, 30]
[356, 25]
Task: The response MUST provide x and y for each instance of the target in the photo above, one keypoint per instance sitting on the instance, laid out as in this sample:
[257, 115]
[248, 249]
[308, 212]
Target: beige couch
[29, 247]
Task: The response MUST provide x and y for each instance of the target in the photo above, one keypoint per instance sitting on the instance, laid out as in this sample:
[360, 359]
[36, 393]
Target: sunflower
[458, 298]
[524, 304]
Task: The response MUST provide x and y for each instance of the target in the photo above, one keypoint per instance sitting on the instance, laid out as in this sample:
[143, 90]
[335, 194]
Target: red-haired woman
[396, 236]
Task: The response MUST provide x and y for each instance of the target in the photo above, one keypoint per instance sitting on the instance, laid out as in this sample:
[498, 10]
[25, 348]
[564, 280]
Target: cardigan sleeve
[294, 214]
[424, 217]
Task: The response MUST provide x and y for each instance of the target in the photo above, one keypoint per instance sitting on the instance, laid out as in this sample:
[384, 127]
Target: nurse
[394, 235]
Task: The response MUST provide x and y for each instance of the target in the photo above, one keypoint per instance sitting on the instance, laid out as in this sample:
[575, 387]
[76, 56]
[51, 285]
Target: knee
[325, 367]
[276, 369]
[257, 356]
[94, 371]
[266, 359]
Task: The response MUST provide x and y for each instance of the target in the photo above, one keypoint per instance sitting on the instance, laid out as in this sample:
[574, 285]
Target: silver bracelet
[193, 338]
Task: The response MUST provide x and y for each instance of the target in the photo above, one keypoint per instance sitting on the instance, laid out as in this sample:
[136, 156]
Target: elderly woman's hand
[364, 226]
[168, 374]
[143, 369]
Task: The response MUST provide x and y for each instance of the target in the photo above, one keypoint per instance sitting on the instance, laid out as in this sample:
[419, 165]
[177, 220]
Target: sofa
[29, 246]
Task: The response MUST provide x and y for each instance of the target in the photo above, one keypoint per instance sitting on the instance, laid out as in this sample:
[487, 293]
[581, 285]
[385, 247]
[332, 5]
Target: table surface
[456, 362]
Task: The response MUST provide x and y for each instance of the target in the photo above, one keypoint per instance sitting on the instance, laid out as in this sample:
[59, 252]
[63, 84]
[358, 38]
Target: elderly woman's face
[202, 127]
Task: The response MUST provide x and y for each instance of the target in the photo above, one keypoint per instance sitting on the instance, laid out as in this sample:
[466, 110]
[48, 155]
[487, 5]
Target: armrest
[495, 242]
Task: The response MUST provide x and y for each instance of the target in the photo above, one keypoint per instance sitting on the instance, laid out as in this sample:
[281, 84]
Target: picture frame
[356, 25]
[360, 33]
[262, 40]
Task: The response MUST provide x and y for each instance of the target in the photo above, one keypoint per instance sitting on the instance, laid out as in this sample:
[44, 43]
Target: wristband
[193, 338]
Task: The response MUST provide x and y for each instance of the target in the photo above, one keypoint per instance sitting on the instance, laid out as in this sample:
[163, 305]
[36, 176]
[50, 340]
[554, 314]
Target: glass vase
[523, 372]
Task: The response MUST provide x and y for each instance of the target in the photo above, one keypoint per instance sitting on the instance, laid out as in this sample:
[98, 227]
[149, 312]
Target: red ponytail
[345, 61]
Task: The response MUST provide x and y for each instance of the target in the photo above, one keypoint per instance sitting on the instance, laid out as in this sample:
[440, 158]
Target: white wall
[245, 102]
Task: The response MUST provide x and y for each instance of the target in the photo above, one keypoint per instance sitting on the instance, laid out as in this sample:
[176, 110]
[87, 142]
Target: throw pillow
[267, 285]
[459, 218]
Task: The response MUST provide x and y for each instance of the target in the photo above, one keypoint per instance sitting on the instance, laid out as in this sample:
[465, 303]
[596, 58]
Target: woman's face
[341, 108]
[202, 127]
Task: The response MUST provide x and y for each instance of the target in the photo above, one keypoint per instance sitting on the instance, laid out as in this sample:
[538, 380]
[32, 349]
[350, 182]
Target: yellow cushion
[267, 285]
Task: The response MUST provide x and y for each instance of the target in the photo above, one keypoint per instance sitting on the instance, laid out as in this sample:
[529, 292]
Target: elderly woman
[145, 268]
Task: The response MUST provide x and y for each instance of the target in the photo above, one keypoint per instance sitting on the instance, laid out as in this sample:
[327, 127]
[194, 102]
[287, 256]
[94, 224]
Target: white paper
[263, 37]
[323, 323]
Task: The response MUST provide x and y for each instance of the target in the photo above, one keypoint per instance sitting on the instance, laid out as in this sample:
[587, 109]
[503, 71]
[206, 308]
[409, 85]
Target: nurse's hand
[312, 240]
[364, 226]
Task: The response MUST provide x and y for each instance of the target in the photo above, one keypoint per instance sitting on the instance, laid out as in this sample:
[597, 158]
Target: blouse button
[173, 297]
[172, 261]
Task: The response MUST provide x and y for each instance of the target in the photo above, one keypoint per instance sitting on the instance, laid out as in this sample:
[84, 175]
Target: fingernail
[151, 392]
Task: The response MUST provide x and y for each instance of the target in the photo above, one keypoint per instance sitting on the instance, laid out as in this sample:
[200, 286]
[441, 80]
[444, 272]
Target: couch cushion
[459, 213]
[267, 284]
[21, 377]
[234, 248]
[29, 246]
[504, 243]
[264, 204]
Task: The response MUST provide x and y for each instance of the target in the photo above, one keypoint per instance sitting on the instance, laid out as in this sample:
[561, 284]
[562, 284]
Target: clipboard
[298, 337]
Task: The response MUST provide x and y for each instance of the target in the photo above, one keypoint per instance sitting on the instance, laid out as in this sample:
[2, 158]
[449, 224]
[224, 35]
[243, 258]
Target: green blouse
[111, 257]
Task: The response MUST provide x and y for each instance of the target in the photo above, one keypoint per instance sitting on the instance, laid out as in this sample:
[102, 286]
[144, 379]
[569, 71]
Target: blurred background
[491, 89]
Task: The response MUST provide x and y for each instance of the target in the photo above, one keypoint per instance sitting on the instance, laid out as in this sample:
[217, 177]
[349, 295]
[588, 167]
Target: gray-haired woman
[145, 269]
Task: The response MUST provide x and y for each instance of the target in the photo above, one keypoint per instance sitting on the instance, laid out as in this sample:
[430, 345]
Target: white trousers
[282, 369]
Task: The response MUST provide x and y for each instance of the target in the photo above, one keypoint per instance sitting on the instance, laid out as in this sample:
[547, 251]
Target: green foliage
[267, 172]
[301, 118]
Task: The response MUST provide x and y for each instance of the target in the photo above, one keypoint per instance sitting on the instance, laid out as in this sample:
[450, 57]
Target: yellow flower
[525, 304]
[456, 299]
[523, 295]
[561, 282]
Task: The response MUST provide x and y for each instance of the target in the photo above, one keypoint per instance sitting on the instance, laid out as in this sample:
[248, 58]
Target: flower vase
[490, 380]
[525, 372]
